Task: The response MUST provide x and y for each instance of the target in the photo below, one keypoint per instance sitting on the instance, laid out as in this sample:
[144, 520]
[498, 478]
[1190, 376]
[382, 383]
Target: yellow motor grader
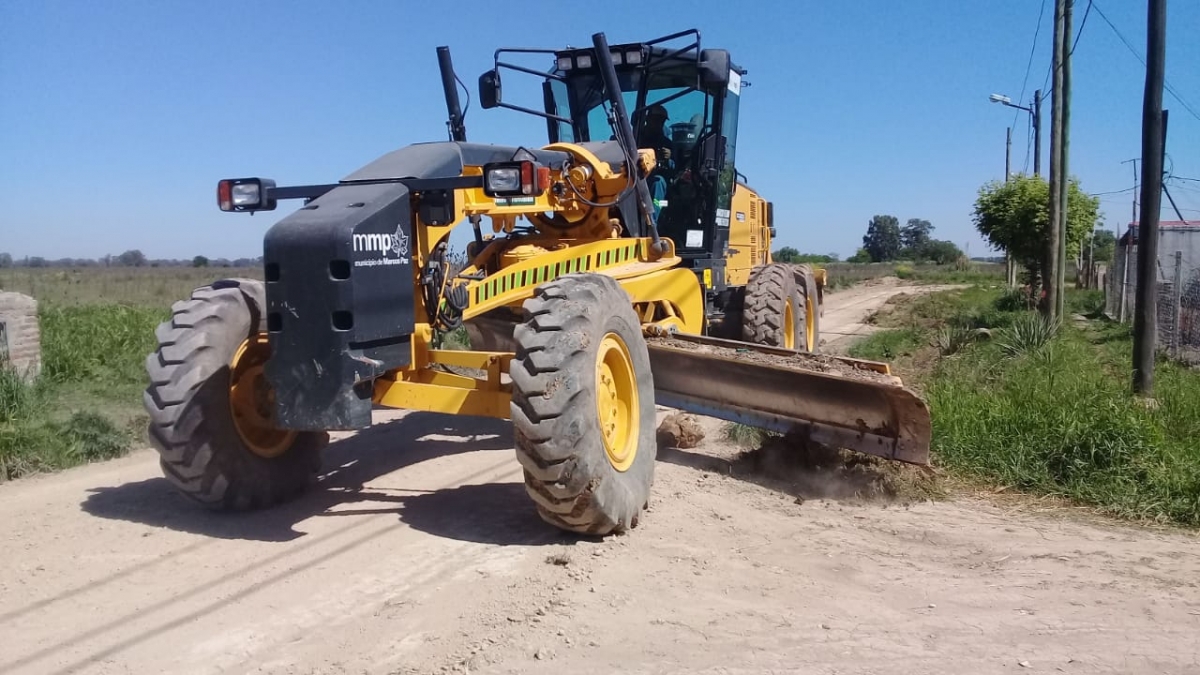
[627, 265]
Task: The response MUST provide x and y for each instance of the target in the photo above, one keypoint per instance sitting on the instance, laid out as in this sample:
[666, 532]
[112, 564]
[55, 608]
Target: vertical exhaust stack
[455, 122]
[623, 129]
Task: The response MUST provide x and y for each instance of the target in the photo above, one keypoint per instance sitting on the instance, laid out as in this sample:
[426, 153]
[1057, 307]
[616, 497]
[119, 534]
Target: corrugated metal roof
[1131, 231]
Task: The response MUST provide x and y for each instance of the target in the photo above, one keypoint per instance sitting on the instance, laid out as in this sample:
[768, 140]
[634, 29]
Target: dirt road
[419, 553]
[847, 310]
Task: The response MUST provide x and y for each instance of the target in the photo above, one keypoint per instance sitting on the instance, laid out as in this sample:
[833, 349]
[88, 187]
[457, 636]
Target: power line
[1166, 85]
[1112, 192]
[1029, 64]
[1081, 25]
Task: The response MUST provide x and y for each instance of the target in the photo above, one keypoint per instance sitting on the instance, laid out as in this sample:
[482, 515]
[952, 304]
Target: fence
[1177, 300]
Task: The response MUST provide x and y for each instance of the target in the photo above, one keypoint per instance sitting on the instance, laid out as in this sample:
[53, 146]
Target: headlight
[246, 194]
[564, 63]
[515, 179]
[504, 180]
[583, 61]
[633, 57]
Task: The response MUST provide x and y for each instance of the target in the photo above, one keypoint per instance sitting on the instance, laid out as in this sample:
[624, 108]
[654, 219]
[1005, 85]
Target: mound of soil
[810, 470]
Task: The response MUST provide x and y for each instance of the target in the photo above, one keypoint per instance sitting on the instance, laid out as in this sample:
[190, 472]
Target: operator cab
[682, 102]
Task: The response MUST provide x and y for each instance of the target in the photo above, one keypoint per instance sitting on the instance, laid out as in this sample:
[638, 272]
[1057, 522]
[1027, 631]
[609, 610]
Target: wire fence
[1177, 300]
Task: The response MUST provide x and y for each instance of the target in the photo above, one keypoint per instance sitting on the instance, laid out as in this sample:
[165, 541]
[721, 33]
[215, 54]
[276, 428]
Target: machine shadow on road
[469, 512]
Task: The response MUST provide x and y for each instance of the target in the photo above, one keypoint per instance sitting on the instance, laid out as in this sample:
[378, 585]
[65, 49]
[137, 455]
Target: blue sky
[118, 117]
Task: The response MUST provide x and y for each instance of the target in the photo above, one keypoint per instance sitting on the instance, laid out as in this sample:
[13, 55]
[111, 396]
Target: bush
[904, 271]
[1028, 333]
[951, 339]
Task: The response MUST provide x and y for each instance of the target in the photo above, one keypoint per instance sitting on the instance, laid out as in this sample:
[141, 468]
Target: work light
[245, 194]
[515, 179]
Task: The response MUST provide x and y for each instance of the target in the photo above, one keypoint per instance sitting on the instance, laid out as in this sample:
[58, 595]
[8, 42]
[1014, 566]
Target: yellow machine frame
[666, 297]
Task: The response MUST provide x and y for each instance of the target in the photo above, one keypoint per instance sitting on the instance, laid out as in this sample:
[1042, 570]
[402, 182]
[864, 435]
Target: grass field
[97, 326]
[133, 286]
[1045, 411]
[848, 274]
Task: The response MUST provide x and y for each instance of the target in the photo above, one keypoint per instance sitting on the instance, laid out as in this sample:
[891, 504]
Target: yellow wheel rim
[810, 324]
[252, 401]
[617, 402]
[789, 327]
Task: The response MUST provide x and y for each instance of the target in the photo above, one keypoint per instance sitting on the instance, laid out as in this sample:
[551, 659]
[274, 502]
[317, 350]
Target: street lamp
[1036, 113]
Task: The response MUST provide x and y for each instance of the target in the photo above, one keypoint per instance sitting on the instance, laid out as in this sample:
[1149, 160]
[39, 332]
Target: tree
[6, 260]
[131, 258]
[914, 237]
[1104, 245]
[860, 256]
[1013, 216]
[882, 240]
[941, 252]
[787, 254]
[199, 261]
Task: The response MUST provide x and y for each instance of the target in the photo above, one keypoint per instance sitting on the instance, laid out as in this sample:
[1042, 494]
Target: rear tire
[771, 298]
[192, 425]
[810, 293]
[581, 346]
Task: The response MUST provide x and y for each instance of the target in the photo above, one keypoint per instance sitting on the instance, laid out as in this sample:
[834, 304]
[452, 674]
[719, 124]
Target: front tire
[583, 405]
[209, 411]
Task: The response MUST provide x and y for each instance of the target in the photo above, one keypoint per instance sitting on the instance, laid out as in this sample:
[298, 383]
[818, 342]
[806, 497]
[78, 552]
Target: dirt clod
[680, 431]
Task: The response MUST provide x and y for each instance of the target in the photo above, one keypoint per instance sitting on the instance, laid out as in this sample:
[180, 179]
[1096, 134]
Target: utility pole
[1009, 264]
[1008, 155]
[1133, 219]
[1145, 316]
[1064, 175]
[1037, 132]
[1050, 276]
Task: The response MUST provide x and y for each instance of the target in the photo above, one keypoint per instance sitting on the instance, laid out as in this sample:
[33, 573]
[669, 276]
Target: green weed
[746, 436]
[953, 338]
[1028, 333]
[886, 345]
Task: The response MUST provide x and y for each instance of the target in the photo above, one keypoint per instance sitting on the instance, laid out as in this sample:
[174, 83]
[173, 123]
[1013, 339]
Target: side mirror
[489, 89]
[714, 67]
[712, 156]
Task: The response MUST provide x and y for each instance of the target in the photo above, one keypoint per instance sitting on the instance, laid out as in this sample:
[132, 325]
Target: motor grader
[619, 272]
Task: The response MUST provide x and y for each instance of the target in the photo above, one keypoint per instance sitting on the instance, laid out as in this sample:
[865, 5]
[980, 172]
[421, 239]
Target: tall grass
[86, 406]
[1047, 409]
[97, 343]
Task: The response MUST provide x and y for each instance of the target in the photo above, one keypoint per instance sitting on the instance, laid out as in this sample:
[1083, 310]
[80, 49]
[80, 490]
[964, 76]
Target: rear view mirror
[712, 156]
[489, 89]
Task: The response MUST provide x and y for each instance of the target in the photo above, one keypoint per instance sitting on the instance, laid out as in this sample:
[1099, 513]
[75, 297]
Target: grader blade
[840, 402]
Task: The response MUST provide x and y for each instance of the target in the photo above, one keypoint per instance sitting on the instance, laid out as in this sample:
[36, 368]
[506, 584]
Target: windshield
[687, 114]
